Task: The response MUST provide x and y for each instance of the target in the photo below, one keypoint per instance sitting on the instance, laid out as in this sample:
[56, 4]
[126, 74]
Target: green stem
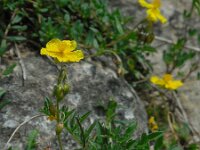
[57, 112]
[59, 141]
[58, 121]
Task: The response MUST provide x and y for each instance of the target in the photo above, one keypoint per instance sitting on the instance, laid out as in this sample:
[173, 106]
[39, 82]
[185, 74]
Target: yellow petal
[63, 51]
[68, 45]
[167, 77]
[156, 3]
[43, 51]
[143, 3]
[154, 79]
[152, 15]
[154, 128]
[151, 120]
[161, 18]
[74, 56]
[53, 45]
[178, 83]
[157, 80]
[173, 85]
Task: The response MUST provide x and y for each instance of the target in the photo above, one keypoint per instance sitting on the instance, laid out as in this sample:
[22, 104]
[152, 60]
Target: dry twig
[23, 123]
[184, 115]
[162, 39]
[21, 64]
[170, 119]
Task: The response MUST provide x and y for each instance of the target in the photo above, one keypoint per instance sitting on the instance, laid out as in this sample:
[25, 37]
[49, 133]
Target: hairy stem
[59, 141]
[58, 121]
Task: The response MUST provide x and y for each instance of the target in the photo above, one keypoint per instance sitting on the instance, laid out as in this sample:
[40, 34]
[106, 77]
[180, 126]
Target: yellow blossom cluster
[63, 51]
[153, 11]
[166, 82]
[152, 124]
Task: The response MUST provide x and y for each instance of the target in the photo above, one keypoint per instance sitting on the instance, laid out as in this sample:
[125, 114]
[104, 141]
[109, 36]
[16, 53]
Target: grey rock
[10, 124]
[91, 85]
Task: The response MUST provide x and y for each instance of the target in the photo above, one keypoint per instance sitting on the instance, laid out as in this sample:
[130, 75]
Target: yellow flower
[157, 80]
[63, 51]
[167, 82]
[153, 11]
[151, 120]
[152, 124]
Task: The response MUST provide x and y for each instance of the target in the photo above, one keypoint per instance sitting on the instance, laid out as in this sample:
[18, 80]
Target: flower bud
[66, 88]
[59, 128]
[58, 92]
[57, 89]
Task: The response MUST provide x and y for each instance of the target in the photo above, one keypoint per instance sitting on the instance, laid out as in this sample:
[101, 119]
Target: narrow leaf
[9, 69]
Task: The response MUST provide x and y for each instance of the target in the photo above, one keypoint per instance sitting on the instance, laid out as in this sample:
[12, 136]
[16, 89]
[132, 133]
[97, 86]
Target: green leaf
[131, 128]
[95, 43]
[4, 103]
[159, 143]
[2, 51]
[2, 92]
[148, 48]
[89, 38]
[46, 107]
[67, 113]
[10, 148]
[90, 129]
[31, 142]
[110, 113]
[193, 147]
[82, 133]
[168, 57]
[198, 76]
[196, 4]
[72, 123]
[83, 117]
[100, 129]
[129, 132]
[175, 147]
[192, 32]
[67, 17]
[9, 69]
[17, 19]
[180, 44]
[155, 135]
[118, 25]
[19, 28]
[183, 57]
[3, 47]
[43, 10]
[16, 38]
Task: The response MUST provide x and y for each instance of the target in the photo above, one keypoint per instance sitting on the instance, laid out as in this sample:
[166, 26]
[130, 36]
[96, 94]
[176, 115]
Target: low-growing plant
[100, 31]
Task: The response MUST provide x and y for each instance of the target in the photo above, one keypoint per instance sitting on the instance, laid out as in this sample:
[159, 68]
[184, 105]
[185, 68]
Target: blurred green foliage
[111, 134]
[175, 57]
[91, 23]
[94, 26]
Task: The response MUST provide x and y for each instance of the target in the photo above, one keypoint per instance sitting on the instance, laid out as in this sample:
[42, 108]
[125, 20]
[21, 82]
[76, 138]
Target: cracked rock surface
[91, 86]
